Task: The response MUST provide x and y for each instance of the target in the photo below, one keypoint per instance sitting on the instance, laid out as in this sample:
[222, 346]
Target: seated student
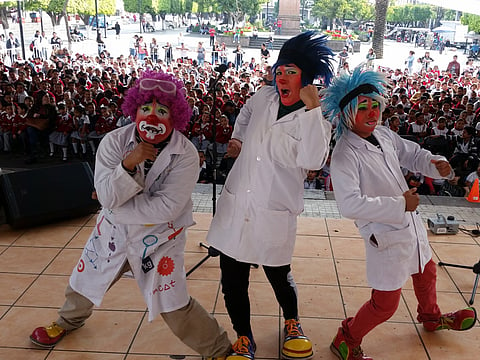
[465, 156]
[438, 140]
[370, 188]
[80, 132]
[104, 124]
[40, 121]
[418, 129]
[454, 187]
[458, 128]
[474, 175]
[6, 127]
[312, 181]
[205, 174]
[223, 135]
[394, 123]
[19, 135]
[61, 134]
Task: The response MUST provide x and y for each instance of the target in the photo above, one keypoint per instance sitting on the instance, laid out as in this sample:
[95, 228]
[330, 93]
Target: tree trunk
[85, 19]
[381, 7]
[440, 14]
[4, 18]
[69, 36]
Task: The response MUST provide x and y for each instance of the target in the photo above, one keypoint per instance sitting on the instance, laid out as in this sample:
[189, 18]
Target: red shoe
[459, 320]
[344, 351]
[49, 336]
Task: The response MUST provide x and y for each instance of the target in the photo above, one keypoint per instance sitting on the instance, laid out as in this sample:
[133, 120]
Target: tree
[57, 9]
[410, 15]
[69, 36]
[330, 9]
[381, 7]
[238, 9]
[358, 10]
[4, 13]
[473, 22]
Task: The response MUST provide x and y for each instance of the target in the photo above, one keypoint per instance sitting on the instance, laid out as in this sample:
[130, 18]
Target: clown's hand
[443, 167]
[412, 199]
[142, 152]
[233, 148]
[309, 96]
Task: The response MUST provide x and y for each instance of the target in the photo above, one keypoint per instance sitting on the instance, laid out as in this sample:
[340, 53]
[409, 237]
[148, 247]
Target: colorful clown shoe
[459, 320]
[48, 336]
[344, 351]
[295, 344]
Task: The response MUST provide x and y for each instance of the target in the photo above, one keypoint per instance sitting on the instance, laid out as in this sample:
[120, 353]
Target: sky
[468, 6]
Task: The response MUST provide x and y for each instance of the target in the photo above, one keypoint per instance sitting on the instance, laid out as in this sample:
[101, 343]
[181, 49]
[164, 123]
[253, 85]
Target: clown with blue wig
[369, 186]
[145, 173]
[279, 134]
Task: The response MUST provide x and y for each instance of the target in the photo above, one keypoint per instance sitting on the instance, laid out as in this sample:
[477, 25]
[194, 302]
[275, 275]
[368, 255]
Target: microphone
[221, 68]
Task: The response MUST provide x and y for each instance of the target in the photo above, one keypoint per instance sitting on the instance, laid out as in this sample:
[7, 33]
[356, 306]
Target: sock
[75, 147]
[84, 148]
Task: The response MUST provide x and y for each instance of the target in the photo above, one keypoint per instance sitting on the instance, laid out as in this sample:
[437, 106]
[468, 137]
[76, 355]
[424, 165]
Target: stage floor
[328, 266]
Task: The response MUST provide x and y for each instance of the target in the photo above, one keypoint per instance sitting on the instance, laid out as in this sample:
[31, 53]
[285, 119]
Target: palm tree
[381, 7]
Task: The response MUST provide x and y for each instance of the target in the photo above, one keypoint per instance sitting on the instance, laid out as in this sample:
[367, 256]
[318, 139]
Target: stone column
[289, 15]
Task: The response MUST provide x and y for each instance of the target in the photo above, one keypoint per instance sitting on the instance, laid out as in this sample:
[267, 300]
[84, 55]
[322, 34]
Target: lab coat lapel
[360, 143]
[164, 158]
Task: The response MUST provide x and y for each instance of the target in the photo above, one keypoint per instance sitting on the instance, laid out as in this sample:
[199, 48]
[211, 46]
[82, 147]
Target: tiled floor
[328, 266]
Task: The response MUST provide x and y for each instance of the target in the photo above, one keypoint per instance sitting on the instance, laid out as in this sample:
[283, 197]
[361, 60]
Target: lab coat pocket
[397, 244]
[226, 209]
[272, 226]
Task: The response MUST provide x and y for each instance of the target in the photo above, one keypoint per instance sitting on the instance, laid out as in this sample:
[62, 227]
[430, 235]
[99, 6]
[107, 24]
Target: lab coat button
[259, 158]
[249, 191]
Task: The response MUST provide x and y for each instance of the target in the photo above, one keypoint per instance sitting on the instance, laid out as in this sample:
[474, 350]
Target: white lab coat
[369, 186]
[140, 217]
[257, 211]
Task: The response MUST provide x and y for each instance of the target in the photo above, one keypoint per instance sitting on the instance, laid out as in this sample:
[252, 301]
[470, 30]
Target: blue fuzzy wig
[310, 53]
[340, 99]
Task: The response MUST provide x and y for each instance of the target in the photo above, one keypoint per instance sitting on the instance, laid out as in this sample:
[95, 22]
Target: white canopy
[443, 29]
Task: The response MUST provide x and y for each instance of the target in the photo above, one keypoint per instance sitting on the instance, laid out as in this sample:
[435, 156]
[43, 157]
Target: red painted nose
[152, 119]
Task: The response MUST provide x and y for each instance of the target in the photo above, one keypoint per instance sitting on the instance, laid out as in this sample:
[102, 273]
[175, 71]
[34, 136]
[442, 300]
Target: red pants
[383, 304]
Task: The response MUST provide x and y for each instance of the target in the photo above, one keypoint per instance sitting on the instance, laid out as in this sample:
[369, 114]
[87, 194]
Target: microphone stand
[221, 69]
[476, 270]
[213, 90]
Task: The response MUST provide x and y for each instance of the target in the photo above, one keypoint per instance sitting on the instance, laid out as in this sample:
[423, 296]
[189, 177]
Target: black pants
[235, 275]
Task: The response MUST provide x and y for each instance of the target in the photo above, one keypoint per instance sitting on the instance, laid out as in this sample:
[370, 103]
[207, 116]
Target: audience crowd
[62, 104]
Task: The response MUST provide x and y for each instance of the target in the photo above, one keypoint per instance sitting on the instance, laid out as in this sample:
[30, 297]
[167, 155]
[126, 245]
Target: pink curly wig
[180, 112]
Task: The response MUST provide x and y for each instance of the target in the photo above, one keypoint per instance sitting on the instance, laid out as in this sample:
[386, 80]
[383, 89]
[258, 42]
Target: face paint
[153, 122]
[289, 82]
[368, 113]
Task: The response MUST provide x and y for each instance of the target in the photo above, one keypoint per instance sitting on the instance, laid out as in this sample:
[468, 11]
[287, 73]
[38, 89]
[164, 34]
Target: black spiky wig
[309, 52]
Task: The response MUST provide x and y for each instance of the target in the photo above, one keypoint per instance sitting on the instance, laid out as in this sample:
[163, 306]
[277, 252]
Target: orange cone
[473, 195]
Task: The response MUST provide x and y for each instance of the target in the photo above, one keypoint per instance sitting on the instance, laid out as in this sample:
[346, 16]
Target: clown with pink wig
[145, 173]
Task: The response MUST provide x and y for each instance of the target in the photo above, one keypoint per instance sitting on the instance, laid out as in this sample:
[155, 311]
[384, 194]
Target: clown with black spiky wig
[280, 134]
[370, 187]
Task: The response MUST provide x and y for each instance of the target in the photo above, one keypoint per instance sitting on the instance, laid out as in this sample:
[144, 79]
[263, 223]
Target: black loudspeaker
[44, 195]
